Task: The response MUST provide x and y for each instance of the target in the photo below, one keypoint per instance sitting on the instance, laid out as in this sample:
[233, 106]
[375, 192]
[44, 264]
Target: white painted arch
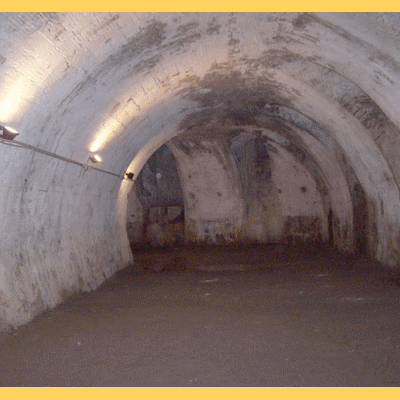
[123, 84]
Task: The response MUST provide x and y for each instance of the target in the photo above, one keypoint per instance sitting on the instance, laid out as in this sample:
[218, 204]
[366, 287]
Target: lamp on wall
[129, 175]
[95, 158]
[7, 132]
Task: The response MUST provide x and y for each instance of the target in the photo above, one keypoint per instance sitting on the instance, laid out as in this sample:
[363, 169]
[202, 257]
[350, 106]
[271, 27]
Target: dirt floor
[219, 316]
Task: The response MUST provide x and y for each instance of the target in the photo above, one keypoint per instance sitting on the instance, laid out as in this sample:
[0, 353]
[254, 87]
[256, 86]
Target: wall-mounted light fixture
[95, 158]
[7, 132]
[129, 175]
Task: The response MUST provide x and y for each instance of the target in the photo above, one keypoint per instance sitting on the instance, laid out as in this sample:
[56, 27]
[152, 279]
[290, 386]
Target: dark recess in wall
[158, 182]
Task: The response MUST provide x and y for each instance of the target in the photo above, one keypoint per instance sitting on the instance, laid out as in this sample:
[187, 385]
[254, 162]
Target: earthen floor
[219, 316]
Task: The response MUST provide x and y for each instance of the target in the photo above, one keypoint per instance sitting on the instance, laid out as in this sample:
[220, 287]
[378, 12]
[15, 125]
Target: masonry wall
[256, 194]
[313, 95]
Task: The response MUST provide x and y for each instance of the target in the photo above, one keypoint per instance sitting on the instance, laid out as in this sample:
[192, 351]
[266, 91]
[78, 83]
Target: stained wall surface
[283, 126]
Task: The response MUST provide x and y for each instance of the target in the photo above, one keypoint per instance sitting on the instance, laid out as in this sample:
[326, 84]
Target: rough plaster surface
[326, 85]
[214, 206]
[265, 195]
